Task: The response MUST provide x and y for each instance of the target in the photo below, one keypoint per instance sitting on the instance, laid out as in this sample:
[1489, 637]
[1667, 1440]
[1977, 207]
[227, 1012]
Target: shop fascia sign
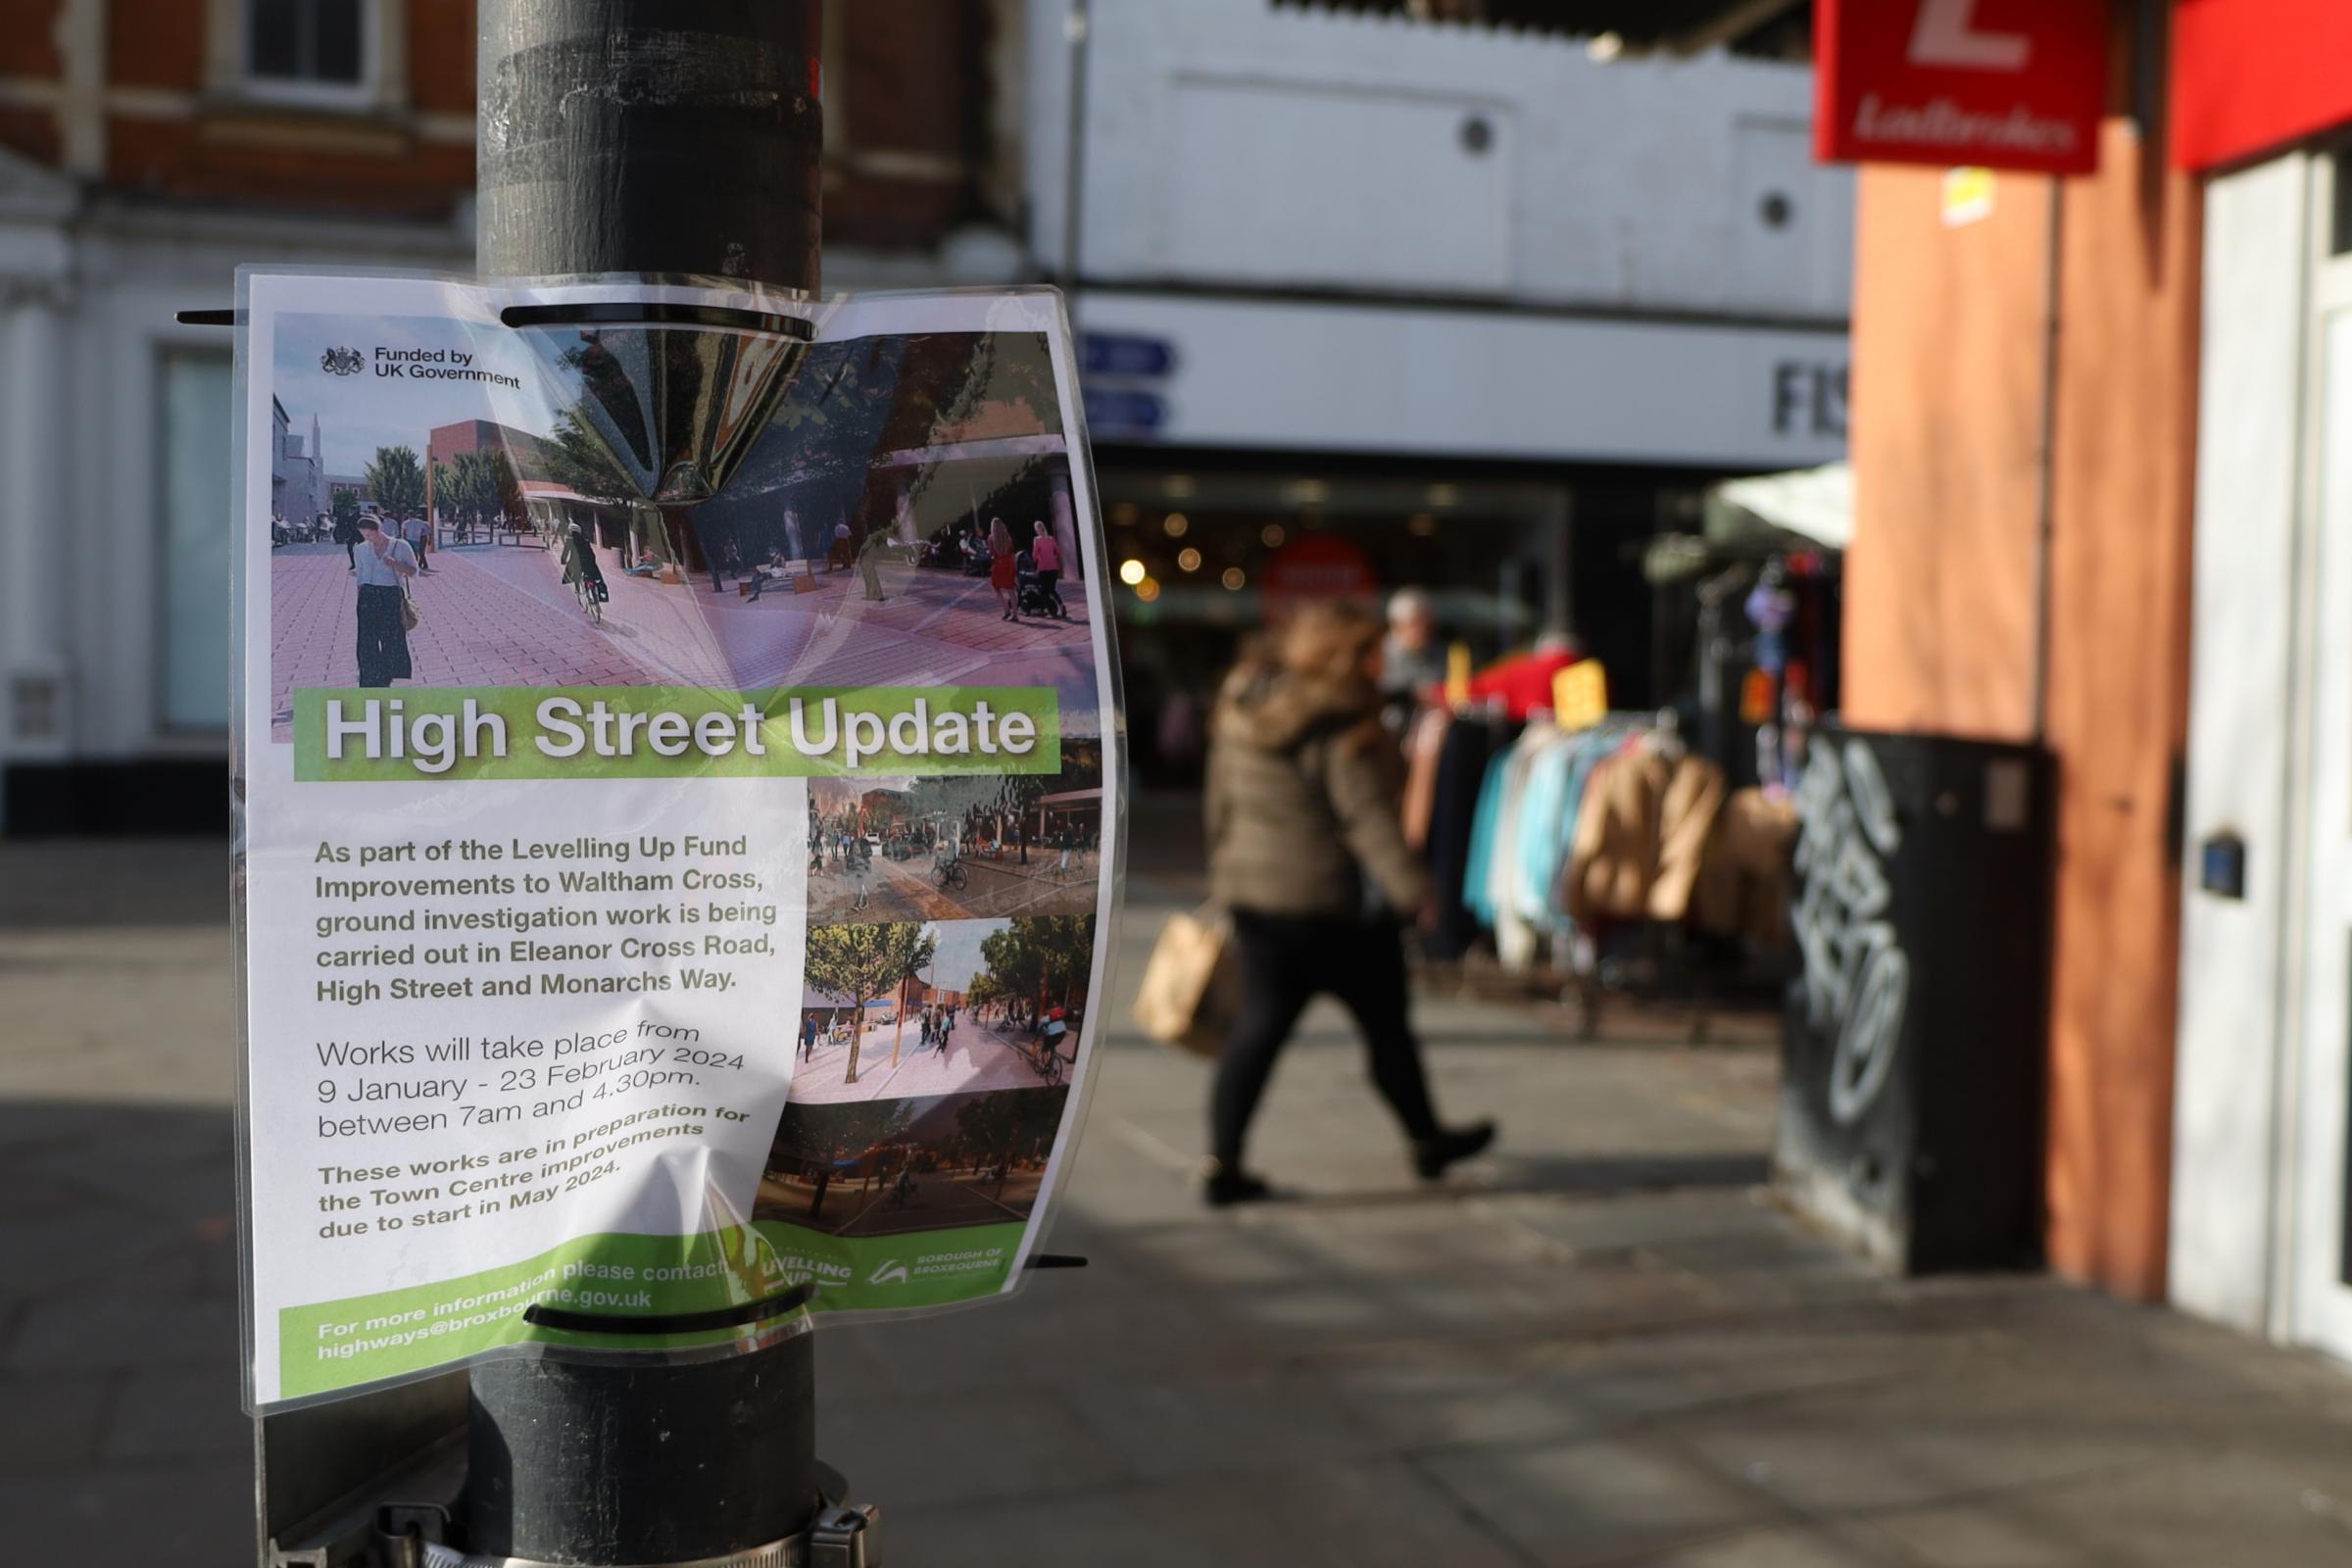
[1990, 83]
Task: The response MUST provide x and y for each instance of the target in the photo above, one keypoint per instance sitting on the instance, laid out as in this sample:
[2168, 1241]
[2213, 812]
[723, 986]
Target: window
[193, 540]
[309, 44]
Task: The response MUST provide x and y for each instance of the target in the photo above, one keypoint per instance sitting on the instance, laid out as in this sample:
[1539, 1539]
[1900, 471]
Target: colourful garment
[1484, 824]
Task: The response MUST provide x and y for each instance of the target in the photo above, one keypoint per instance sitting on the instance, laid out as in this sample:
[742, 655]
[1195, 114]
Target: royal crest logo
[342, 361]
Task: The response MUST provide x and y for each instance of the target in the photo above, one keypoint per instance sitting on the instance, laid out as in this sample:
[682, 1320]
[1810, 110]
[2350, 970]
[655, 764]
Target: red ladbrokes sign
[2001, 83]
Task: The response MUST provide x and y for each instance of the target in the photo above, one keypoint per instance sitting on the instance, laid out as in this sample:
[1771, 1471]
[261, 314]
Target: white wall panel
[2224, 1140]
[1310, 376]
[1232, 142]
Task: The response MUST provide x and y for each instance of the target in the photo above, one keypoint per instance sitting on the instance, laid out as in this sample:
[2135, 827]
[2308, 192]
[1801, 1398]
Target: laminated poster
[679, 804]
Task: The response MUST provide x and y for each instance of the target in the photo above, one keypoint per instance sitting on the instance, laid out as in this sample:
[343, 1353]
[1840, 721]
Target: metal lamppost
[675, 138]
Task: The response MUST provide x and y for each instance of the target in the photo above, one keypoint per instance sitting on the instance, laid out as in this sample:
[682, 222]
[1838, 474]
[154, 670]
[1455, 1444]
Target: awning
[1750, 519]
[1814, 505]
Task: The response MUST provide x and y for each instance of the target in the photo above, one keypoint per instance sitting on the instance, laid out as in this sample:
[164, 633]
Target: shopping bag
[1190, 987]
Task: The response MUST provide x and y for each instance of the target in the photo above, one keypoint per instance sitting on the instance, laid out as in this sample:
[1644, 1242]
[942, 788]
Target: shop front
[1514, 466]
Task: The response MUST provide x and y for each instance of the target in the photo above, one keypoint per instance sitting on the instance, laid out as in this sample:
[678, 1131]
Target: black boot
[1432, 1155]
[1222, 1186]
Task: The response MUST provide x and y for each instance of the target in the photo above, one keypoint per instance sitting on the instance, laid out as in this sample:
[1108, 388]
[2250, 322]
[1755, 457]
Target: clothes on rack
[1640, 836]
[1470, 740]
[1523, 682]
[1551, 837]
[1424, 744]
[1745, 881]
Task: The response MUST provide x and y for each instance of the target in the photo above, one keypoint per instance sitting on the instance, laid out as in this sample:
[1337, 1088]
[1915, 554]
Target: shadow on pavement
[119, 1386]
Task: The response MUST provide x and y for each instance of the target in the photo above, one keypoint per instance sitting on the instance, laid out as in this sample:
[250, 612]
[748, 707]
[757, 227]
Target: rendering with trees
[904, 1009]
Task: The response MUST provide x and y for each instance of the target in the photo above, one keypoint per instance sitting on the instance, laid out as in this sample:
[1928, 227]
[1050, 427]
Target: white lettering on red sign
[1946, 34]
[1995, 84]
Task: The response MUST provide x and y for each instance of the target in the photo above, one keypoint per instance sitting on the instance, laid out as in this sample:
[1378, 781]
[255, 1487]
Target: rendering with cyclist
[906, 521]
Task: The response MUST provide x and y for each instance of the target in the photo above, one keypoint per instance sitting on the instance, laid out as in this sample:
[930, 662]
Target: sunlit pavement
[894, 1063]
[1602, 1345]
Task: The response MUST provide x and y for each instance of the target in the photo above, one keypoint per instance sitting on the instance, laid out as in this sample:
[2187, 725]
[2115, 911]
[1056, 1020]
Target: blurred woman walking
[1306, 853]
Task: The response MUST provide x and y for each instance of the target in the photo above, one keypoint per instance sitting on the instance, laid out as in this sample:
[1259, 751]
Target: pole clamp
[844, 1537]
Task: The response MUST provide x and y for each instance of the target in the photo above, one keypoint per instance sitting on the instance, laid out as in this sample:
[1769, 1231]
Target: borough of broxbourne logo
[341, 362]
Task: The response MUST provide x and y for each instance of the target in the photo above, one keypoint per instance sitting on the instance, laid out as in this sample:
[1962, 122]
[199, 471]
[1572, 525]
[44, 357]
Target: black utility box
[1915, 1048]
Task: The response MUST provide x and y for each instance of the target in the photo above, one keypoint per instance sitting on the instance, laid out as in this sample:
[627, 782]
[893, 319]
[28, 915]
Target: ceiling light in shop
[1148, 590]
[1272, 535]
[1306, 492]
[1176, 524]
[1444, 495]
[1131, 573]
[1178, 486]
[1189, 559]
[1234, 577]
[1422, 523]
[1126, 513]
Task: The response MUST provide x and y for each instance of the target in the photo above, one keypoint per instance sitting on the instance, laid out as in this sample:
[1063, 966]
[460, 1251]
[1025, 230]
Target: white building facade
[115, 443]
[1488, 308]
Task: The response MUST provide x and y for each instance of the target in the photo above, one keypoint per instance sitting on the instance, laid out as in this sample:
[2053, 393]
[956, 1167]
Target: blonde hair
[1000, 537]
[1329, 641]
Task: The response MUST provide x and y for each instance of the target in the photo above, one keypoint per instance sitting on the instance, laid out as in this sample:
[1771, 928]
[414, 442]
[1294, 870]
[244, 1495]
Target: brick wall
[907, 131]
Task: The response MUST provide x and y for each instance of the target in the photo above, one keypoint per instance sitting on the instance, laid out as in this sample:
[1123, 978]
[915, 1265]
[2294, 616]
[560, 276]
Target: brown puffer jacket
[1302, 793]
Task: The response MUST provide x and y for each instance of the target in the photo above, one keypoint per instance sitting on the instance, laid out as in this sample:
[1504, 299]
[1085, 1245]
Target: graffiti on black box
[1856, 975]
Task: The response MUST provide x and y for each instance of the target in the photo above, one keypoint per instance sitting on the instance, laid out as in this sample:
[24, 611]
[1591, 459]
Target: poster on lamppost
[678, 790]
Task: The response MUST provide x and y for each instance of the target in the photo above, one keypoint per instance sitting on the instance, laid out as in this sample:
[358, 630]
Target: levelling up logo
[342, 361]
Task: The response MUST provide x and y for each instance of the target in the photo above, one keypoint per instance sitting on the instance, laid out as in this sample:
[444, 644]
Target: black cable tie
[658, 312]
[205, 317]
[540, 1315]
[1055, 1261]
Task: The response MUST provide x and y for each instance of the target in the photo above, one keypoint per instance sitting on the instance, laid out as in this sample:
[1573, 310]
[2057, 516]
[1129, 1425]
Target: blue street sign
[1123, 411]
[1124, 354]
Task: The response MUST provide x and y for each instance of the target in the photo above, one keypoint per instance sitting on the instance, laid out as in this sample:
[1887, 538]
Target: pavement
[1604, 1345]
[501, 614]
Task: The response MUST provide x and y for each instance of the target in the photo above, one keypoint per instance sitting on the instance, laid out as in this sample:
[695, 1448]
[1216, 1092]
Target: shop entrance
[1204, 551]
[1205, 558]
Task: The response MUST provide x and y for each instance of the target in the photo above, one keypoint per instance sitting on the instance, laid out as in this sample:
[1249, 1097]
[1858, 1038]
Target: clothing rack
[1603, 905]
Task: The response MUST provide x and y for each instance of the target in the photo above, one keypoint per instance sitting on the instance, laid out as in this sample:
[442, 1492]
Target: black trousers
[384, 642]
[1286, 962]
